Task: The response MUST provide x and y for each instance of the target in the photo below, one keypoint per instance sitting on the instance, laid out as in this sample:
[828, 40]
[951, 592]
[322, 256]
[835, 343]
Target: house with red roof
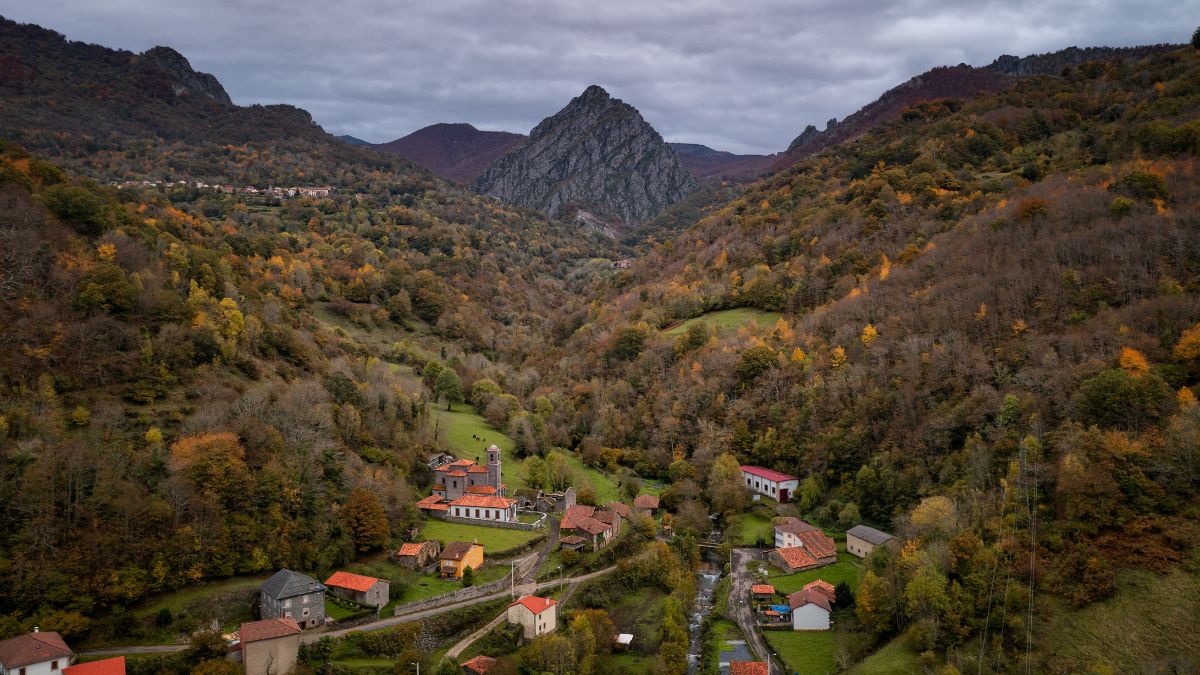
[478, 665]
[770, 483]
[588, 524]
[36, 653]
[748, 668]
[810, 609]
[647, 503]
[800, 546]
[538, 616]
[269, 647]
[417, 555]
[113, 666]
[357, 588]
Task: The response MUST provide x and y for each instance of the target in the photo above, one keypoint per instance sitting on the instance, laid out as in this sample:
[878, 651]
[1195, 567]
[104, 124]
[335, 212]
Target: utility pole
[418, 665]
[512, 581]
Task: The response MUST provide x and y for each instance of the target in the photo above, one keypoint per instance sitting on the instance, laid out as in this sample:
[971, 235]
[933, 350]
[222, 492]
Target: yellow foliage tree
[838, 358]
[1188, 347]
[868, 334]
[1133, 362]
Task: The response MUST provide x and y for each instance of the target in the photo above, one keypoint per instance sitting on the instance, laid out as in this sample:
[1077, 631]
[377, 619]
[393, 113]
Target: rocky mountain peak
[596, 154]
[187, 81]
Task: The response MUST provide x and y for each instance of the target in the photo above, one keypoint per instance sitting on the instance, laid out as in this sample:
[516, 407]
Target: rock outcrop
[186, 81]
[596, 154]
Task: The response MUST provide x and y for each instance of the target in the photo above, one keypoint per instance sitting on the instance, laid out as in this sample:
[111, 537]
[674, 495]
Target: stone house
[357, 588]
[417, 555]
[861, 540]
[291, 595]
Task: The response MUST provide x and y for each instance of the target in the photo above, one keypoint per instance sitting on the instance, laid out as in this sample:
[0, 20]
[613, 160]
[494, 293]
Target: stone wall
[515, 525]
[523, 567]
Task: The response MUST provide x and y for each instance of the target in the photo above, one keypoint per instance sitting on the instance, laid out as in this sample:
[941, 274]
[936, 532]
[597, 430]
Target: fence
[523, 566]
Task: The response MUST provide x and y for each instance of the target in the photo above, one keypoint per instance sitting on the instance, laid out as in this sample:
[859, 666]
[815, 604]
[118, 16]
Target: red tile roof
[30, 648]
[818, 545]
[475, 468]
[769, 474]
[646, 502]
[809, 596]
[355, 582]
[576, 513]
[535, 604]
[479, 665]
[268, 629]
[113, 666]
[411, 549]
[747, 668]
[484, 501]
[793, 525]
[762, 589]
[796, 558]
[433, 503]
[822, 586]
[620, 509]
[480, 490]
[457, 474]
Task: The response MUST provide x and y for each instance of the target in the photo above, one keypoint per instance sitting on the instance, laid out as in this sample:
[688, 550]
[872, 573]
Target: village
[793, 582]
[270, 191]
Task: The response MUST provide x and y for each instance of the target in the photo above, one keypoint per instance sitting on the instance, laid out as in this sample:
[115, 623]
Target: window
[306, 611]
[304, 600]
[54, 665]
[287, 603]
[22, 671]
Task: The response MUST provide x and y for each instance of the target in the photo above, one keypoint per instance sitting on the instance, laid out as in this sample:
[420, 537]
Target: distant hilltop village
[281, 192]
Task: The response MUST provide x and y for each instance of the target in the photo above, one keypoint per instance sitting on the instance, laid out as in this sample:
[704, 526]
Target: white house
[36, 653]
[485, 507]
[861, 540]
[538, 615]
[774, 484]
[810, 608]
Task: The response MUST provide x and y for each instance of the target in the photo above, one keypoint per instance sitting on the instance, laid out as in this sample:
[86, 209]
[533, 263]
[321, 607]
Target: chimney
[35, 629]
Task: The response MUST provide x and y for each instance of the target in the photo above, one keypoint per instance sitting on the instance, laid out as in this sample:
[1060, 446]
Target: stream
[706, 583]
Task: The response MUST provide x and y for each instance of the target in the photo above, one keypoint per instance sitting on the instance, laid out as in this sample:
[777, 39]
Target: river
[706, 583]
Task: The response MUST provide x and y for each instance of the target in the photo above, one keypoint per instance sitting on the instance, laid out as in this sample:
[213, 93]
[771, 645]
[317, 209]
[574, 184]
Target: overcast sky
[738, 75]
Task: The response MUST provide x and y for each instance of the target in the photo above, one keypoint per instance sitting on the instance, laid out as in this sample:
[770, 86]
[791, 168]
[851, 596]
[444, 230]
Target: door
[783, 495]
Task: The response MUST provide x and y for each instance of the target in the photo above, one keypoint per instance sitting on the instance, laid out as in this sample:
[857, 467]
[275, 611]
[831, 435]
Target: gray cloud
[739, 76]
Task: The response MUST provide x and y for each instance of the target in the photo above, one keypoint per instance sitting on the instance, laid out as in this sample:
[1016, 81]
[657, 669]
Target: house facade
[459, 555]
[270, 647]
[538, 616]
[291, 595]
[810, 609]
[483, 507]
[861, 540]
[800, 546]
[357, 588]
[36, 653]
[769, 483]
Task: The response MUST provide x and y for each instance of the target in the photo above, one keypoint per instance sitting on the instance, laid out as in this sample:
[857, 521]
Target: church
[464, 489]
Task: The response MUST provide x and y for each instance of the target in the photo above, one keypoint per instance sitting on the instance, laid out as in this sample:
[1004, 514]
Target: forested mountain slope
[991, 313]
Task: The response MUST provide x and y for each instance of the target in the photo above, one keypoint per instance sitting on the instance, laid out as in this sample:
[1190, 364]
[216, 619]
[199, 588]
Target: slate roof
[30, 648]
[113, 666]
[268, 629]
[870, 534]
[288, 584]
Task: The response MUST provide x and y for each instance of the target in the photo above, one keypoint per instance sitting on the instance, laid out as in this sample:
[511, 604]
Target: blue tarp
[782, 609]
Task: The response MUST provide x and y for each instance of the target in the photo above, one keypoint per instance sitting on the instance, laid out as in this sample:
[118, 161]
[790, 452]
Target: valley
[918, 394]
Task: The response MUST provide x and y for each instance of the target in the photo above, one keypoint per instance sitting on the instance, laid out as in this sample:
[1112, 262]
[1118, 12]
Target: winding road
[739, 592]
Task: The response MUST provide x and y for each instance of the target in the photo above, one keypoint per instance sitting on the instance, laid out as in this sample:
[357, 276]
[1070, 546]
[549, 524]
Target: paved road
[149, 649]
[739, 601]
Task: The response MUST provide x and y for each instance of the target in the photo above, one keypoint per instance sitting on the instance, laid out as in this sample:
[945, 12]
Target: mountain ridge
[456, 151]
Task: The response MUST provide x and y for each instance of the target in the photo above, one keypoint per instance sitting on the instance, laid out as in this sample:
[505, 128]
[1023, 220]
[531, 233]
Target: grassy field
[728, 318]
[495, 540]
[894, 657]
[1151, 618]
[847, 568]
[755, 527]
[808, 652]
[186, 599]
[461, 425]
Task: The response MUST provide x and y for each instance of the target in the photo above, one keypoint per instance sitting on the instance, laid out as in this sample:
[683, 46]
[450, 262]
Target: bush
[1121, 207]
[76, 206]
[1142, 185]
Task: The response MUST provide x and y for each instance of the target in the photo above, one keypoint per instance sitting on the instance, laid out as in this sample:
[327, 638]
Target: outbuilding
[861, 540]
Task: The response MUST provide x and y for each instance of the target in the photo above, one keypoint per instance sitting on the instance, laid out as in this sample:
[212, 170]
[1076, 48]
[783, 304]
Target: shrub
[1121, 206]
[1032, 208]
[1142, 185]
[77, 206]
